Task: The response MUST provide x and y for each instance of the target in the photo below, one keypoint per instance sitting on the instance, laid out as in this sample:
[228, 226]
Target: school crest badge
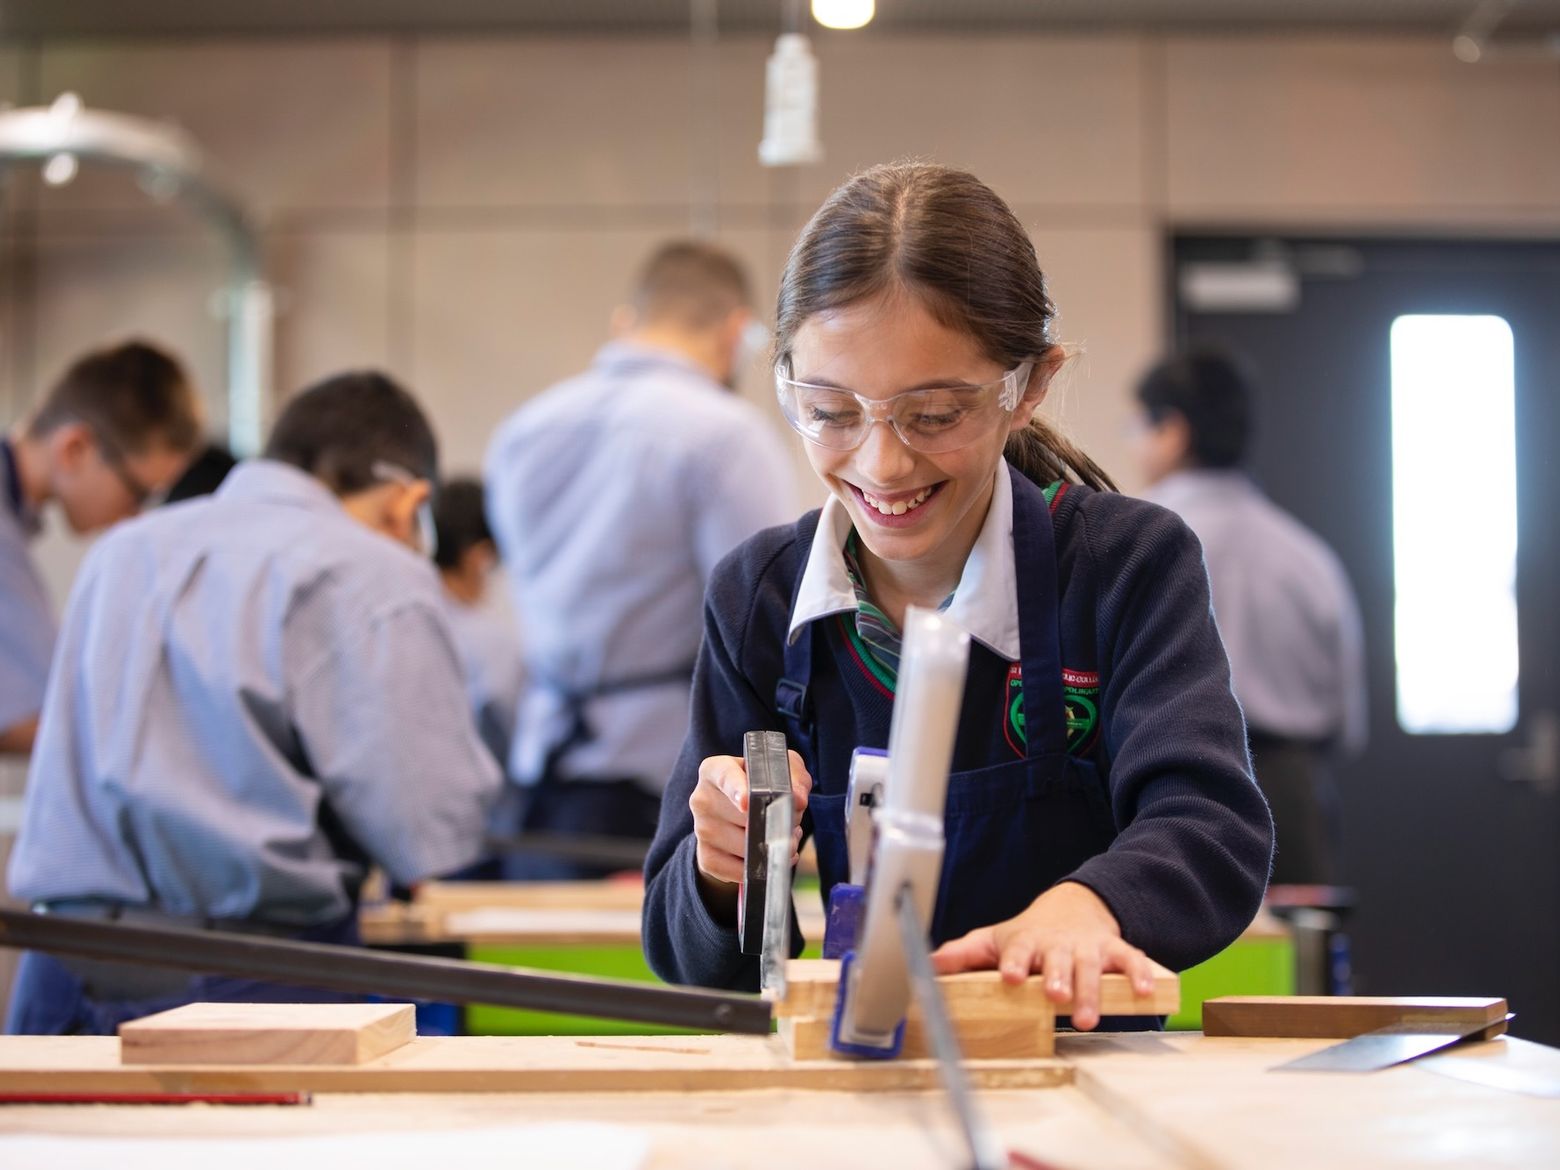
[1080, 709]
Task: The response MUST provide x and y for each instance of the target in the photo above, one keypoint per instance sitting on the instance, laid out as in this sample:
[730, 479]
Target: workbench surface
[1137, 1102]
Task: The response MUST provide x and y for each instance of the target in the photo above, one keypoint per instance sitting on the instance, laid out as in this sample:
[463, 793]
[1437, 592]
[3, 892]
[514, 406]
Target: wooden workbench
[527, 914]
[1136, 1102]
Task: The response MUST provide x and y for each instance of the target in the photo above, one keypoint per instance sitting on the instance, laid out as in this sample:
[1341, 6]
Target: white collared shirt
[985, 602]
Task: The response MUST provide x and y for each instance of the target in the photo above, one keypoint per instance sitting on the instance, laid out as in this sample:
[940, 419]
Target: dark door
[1452, 840]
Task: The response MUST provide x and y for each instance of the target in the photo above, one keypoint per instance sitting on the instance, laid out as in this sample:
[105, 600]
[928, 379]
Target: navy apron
[1013, 829]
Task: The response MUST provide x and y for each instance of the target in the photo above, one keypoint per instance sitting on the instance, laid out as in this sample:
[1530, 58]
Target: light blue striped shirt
[1284, 607]
[26, 617]
[250, 692]
[488, 642]
[612, 496]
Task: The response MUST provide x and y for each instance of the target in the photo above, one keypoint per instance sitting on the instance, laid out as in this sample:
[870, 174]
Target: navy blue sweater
[1186, 846]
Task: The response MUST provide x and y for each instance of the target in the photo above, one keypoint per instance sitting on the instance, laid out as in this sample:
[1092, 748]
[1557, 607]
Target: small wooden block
[988, 1038]
[268, 1033]
[1340, 1017]
[811, 985]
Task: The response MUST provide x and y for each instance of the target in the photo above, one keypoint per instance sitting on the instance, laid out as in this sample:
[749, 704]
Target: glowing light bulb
[842, 13]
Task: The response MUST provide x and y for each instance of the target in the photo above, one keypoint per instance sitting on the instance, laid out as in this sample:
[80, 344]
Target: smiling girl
[1101, 808]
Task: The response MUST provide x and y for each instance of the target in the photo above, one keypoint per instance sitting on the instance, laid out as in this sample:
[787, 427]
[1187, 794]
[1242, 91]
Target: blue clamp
[872, 1052]
[847, 907]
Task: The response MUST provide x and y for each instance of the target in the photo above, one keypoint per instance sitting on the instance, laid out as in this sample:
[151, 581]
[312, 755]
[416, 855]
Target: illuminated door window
[1454, 524]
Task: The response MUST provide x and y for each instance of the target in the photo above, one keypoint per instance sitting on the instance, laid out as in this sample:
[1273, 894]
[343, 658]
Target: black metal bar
[354, 969]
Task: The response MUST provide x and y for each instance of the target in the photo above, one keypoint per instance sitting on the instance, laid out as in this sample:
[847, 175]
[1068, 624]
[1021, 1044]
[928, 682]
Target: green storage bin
[609, 962]
[1256, 966]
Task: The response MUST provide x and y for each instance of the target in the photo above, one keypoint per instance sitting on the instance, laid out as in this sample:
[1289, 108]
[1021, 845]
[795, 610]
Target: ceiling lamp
[842, 13]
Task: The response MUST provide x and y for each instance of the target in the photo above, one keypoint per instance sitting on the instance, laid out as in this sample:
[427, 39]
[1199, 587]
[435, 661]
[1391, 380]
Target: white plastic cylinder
[790, 105]
[926, 713]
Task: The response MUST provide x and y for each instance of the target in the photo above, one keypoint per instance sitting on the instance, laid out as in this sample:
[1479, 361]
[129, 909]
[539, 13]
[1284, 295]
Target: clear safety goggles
[427, 530]
[934, 420]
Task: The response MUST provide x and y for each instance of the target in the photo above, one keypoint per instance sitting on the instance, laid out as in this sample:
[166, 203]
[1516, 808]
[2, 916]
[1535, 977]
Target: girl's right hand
[720, 805]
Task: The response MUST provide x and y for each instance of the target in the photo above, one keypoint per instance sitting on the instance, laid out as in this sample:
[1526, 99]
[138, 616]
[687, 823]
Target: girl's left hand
[1070, 935]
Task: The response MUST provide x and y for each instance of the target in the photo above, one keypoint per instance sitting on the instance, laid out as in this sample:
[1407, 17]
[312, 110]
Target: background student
[1101, 807]
[116, 429]
[613, 495]
[485, 633]
[1284, 605]
[256, 695]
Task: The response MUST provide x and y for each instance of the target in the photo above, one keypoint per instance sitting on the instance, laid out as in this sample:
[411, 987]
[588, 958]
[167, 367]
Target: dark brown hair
[946, 237]
[1212, 391]
[460, 518]
[338, 429]
[133, 396]
[691, 283]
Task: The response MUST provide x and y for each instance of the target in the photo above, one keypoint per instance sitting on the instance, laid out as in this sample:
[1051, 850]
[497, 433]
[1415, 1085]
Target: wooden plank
[397, 924]
[504, 923]
[268, 1033]
[982, 1038]
[1339, 1017]
[811, 985]
[614, 895]
[504, 1064]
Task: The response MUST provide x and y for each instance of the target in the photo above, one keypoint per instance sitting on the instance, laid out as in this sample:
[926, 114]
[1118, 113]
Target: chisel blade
[1388, 1046]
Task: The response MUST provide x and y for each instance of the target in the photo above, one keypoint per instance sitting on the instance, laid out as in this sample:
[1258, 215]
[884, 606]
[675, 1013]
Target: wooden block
[811, 985]
[986, 1038]
[505, 1064]
[268, 1033]
[1339, 1017]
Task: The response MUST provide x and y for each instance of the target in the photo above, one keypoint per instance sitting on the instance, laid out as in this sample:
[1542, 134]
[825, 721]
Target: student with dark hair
[1282, 599]
[116, 429]
[485, 634]
[1101, 808]
[612, 496]
[256, 696]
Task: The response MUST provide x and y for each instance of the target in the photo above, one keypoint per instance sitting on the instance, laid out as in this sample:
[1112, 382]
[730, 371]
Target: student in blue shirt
[118, 427]
[1101, 809]
[486, 635]
[1285, 607]
[255, 696]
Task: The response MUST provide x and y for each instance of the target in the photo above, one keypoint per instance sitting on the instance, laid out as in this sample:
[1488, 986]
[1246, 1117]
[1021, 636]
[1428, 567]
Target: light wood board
[811, 985]
[562, 914]
[984, 1038]
[501, 1064]
[605, 895]
[268, 1033]
[1341, 1016]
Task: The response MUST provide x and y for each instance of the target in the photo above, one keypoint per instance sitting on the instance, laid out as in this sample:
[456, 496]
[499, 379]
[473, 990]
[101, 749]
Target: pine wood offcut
[268, 1033]
[995, 1020]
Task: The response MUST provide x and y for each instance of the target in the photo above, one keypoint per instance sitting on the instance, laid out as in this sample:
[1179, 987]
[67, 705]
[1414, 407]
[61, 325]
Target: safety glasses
[115, 460]
[934, 420]
[427, 530]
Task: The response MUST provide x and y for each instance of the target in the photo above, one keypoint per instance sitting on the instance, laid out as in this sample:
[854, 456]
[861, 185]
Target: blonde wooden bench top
[1138, 1102]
